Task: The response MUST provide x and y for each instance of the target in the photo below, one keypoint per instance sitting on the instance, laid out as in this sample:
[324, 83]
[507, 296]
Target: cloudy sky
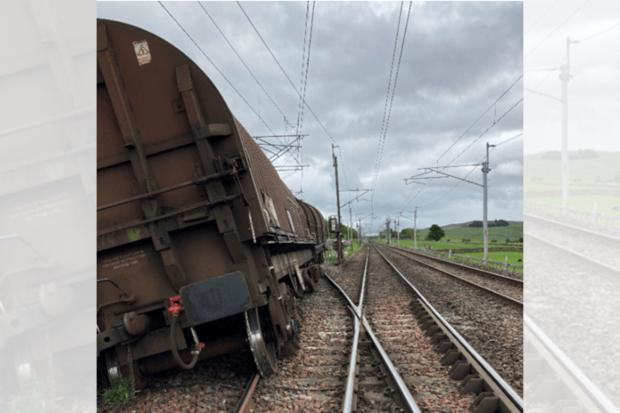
[458, 58]
[593, 105]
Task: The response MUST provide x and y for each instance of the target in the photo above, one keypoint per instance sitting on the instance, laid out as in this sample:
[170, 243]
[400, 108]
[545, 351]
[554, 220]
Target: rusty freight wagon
[202, 248]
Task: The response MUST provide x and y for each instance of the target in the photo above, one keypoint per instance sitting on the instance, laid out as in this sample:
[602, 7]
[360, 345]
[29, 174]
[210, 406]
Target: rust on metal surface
[246, 403]
[186, 201]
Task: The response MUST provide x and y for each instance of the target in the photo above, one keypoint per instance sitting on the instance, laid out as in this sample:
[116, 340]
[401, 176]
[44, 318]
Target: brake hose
[175, 351]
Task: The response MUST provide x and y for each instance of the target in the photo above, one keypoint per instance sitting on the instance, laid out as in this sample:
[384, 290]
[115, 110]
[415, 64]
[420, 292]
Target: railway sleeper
[450, 357]
[444, 345]
[473, 384]
[459, 370]
[485, 402]
[438, 338]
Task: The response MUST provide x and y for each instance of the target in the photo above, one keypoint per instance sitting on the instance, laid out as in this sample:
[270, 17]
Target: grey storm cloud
[458, 59]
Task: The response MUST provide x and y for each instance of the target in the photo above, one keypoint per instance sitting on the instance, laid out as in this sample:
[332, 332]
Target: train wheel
[312, 277]
[296, 287]
[261, 342]
[291, 345]
[310, 287]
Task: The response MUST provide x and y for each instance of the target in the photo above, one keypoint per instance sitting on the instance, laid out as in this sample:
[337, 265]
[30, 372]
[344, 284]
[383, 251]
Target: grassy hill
[458, 232]
[594, 181]
[499, 251]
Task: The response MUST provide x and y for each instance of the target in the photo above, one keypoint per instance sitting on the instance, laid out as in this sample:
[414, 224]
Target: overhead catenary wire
[491, 106]
[389, 111]
[305, 65]
[389, 114]
[285, 73]
[391, 92]
[414, 194]
[495, 122]
[452, 187]
[389, 85]
[579, 42]
[540, 16]
[556, 28]
[518, 135]
[599, 33]
[245, 65]
[216, 67]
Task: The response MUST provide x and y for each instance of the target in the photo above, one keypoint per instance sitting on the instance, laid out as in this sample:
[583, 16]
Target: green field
[440, 245]
[594, 181]
[457, 232]
[514, 258]
[597, 168]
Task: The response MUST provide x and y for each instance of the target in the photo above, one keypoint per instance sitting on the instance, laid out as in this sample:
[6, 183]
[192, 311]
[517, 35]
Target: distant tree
[495, 223]
[435, 233]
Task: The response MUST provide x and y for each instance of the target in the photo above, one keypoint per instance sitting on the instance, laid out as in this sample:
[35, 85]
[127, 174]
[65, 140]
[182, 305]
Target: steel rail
[409, 403]
[574, 228]
[591, 397]
[350, 387]
[505, 393]
[480, 271]
[245, 402]
[466, 281]
[576, 254]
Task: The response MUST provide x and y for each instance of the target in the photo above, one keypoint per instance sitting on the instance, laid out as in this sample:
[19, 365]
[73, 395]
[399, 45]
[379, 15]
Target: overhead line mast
[338, 226]
[437, 172]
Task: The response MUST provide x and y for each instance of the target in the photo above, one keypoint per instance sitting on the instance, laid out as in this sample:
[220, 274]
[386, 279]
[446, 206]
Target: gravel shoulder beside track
[313, 379]
[494, 328]
[214, 385]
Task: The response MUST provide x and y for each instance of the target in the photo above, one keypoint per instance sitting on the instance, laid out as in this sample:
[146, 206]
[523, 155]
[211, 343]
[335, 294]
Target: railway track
[324, 373]
[431, 356]
[501, 286]
[597, 248]
[442, 262]
[549, 364]
[362, 373]
[573, 299]
[573, 228]
[492, 325]
[245, 403]
[311, 379]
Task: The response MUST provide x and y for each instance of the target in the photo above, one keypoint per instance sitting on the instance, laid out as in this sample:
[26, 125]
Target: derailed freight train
[202, 249]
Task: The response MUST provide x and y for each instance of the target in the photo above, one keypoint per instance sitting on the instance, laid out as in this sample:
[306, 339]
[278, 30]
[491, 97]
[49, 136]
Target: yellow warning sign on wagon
[143, 54]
